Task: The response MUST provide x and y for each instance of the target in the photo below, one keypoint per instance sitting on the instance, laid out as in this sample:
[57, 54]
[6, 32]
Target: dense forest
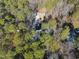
[39, 29]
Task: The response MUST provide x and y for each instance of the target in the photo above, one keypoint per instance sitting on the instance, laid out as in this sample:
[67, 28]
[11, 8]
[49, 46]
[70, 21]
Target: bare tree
[60, 13]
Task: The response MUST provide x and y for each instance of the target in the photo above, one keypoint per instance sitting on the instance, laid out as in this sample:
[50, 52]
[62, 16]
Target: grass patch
[50, 4]
[76, 19]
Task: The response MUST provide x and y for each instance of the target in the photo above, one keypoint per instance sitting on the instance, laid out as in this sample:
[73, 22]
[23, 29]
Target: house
[41, 14]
